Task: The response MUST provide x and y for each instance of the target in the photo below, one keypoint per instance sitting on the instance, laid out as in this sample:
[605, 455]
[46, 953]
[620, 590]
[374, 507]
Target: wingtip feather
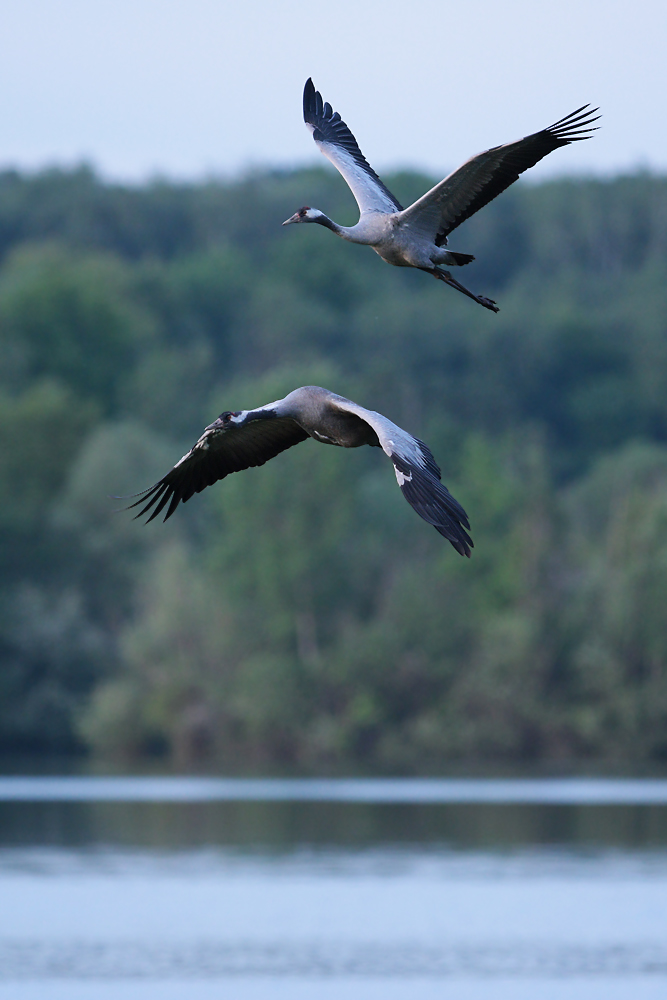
[576, 126]
[308, 98]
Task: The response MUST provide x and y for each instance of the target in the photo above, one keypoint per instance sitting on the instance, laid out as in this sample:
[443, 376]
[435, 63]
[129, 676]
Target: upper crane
[417, 236]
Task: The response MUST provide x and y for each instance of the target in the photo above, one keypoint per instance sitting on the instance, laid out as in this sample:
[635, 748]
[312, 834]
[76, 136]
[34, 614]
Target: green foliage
[300, 613]
[618, 679]
[68, 317]
[40, 432]
[52, 655]
[175, 655]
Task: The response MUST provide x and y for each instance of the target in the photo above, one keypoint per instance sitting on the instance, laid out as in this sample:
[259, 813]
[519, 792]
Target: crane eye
[225, 418]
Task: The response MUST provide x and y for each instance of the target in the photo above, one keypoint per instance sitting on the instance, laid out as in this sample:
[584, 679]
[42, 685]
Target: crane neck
[353, 234]
[324, 220]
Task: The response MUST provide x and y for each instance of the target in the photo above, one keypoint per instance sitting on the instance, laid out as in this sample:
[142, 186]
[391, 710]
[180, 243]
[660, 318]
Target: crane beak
[292, 218]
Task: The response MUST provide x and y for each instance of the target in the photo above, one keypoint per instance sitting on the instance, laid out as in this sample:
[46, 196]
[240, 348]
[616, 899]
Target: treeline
[301, 614]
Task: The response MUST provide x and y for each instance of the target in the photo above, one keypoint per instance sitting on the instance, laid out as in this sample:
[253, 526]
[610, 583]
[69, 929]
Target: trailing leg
[447, 278]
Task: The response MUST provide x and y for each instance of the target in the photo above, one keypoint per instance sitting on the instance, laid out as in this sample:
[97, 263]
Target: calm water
[322, 899]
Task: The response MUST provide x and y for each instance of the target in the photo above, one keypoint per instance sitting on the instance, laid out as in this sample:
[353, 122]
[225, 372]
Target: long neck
[367, 231]
[355, 234]
[324, 220]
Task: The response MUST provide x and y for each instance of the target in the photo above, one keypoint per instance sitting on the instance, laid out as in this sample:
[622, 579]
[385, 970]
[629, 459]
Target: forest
[300, 615]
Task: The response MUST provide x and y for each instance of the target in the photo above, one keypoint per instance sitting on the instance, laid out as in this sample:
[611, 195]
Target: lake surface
[322, 890]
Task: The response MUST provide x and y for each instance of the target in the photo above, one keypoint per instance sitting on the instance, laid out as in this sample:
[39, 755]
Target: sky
[192, 88]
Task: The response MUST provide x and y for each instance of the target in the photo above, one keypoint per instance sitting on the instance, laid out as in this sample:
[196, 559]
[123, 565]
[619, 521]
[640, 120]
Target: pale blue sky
[190, 87]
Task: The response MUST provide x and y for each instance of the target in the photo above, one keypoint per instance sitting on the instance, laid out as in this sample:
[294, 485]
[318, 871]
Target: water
[330, 896]
[414, 791]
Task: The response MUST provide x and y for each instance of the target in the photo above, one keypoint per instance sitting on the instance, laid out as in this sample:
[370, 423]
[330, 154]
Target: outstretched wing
[483, 177]
[418, 476]
[219, 452]
[431, 498]
[339, 145]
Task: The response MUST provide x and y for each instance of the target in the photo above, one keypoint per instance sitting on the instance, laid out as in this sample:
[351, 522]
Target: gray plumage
[417, 236]
[246, 438]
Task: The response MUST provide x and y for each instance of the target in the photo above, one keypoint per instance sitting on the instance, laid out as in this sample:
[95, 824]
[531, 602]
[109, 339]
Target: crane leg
[447, 278]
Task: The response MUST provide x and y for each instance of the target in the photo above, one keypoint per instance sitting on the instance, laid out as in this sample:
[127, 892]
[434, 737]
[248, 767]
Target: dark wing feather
[429, 460]
[418, 476]
[218, 453]
[483, 177]
[329, 127]
[423, 490]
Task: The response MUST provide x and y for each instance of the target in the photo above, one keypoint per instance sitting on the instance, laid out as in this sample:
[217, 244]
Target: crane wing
[418, 476]
[335, 140]
[483, 177]
[220, 451]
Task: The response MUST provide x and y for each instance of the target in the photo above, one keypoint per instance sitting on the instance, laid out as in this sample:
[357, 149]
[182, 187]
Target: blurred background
[298, 619]
[299, 615]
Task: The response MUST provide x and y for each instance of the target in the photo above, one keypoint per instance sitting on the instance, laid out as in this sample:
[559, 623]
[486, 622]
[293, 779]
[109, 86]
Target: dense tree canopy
[300, 614]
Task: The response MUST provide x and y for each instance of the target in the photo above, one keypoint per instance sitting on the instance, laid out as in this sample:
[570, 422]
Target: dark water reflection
[284, 825]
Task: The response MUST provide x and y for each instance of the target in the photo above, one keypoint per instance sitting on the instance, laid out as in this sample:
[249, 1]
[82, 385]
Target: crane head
[225, 420]
[305, 214]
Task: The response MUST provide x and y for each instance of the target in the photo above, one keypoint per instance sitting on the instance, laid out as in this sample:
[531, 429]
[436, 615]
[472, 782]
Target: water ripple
[210, 959]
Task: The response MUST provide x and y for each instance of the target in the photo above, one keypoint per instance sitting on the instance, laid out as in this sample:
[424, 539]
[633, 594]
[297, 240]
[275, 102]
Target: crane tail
[455, 259]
